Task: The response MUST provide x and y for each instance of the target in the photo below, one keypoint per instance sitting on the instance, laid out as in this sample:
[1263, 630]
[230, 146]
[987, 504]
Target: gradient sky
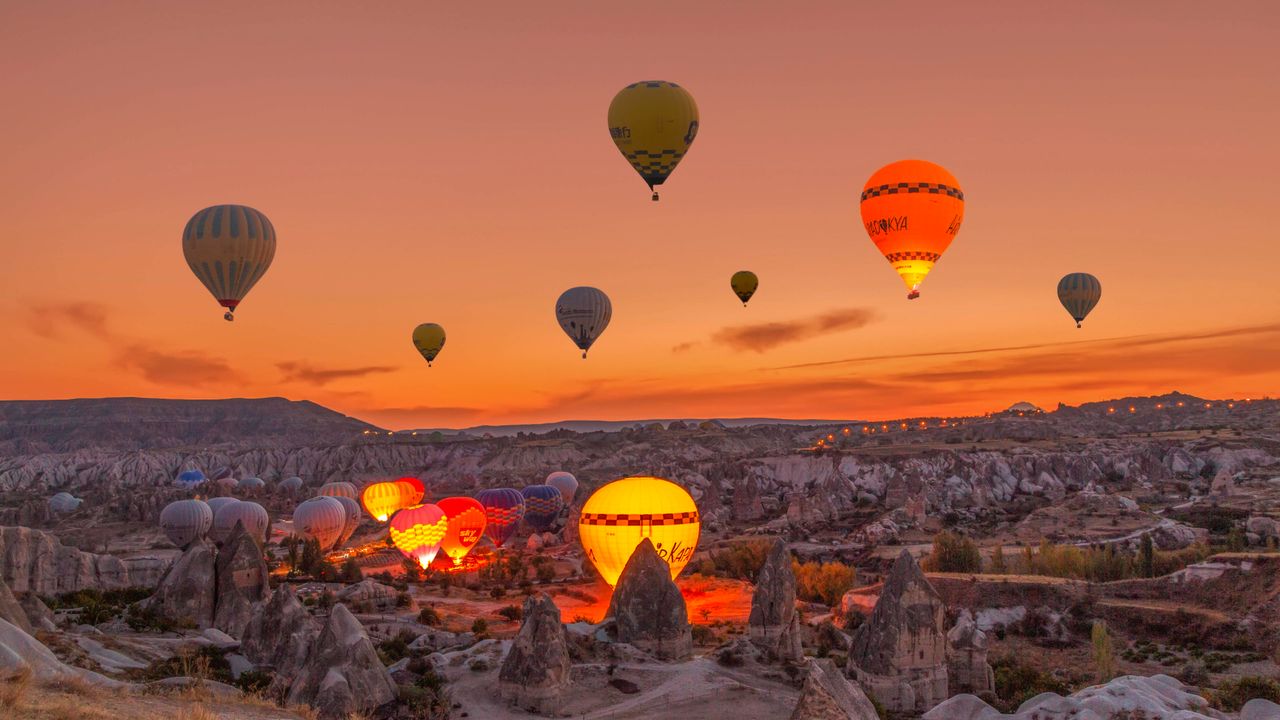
[450, 162]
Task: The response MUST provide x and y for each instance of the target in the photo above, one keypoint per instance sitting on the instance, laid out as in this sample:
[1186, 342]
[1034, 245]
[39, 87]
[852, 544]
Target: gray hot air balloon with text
[583, 314]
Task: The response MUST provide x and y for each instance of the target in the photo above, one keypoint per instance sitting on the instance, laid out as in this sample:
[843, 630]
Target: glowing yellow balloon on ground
[744, 284]
[418, 531]
[653, 123]
[382, 499]
[912, 210]
[619, 515]
[429, 339]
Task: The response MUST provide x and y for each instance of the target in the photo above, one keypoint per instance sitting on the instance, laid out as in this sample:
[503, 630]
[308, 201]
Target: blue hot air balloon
[189, 479]
[503, 509]
[542, 505]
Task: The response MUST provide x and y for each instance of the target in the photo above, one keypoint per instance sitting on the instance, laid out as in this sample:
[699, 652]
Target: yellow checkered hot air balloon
[653, 123]
[418, 531]
[429, 339]
[619, 515]
[229, 248]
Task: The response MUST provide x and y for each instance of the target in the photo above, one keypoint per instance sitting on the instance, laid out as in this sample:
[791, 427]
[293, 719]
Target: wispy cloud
[306, 373]
[52, 320]
[187, 368]
[760, 337]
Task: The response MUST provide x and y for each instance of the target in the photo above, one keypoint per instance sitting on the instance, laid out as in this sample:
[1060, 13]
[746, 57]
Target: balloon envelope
[466, 526]
[229, 248]
[216, 504]
[321, 519]
[353, 513]
[619, 515]
[744, 284]
[250, 514]
[912, 210]
[64, 502]
[503, 510]
[583, 314]
[1079, 293]
[417, 532]
[382, 499]
[251, 483]
[415, 490]
[566, 483]
[653, 123]
[290, 485]
[542, 505]
[429, 339]
[185, 521]
[189, 479]
[334, 489]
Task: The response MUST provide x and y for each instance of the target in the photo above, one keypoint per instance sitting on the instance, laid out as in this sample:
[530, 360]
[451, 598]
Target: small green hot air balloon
[429, 339]
[744, 284]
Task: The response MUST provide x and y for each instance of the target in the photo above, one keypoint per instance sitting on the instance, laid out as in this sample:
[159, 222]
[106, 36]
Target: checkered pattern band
[913, 255]
[537, 505]
[653, 165]
[652, 84]
[919, 187]
[503, 516]
[683, 518]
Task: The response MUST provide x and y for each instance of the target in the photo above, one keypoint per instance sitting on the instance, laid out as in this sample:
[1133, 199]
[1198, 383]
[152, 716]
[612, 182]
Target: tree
[955, 554]
[1147, 556]
[350, 572]
[998, 566]
[1102, 653]
[1236, 541]
[412, 570]
[312, 562]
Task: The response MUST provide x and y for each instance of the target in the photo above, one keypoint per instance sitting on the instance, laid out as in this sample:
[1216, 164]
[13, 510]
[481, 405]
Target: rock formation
[343, 674]
[280, 635]
[186, 592]
[1158, 696]
[828, 695]
[535, 671]
[899, 654]
[967, 667]
[19, 651]
[243, 580]
[648, 608]
[774, 625]
[11, 609]
[37, 561]
[368, 596]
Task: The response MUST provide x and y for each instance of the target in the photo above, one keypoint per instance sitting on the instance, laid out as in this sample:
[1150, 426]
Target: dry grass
[196, 712]
[13, 687]
[62, 700]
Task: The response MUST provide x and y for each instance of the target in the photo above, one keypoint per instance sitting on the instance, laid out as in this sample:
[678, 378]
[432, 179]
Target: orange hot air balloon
[912, 209]
[381, 499]
[418, 531]
[415, 489]
[466, 526]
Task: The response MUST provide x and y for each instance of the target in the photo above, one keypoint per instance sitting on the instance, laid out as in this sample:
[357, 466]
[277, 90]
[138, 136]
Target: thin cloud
[765, 336]
[184, 368]
[684, 347]
[306, 373]
[52, 320]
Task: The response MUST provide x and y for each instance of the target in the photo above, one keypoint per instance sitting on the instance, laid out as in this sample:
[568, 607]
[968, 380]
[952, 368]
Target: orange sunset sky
[450, 162]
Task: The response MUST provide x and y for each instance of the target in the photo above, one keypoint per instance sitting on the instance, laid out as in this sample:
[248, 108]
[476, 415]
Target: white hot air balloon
[321, 519]
[250, 514]
[583, 314]
[290, 485]
[354, 512]
[185, 521]
[63, 503]
[566, 483]
[340, 489]
[217, 503]
[251, 483]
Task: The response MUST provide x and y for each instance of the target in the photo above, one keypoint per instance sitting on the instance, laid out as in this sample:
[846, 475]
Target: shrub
[1231, 695]
[1016, 683]
[824, 582]
[254, 681]
[703, 635]
[742, 560]
[429, 616]
[954, 553]
[478, 665]
[511, 612]
[479, 626]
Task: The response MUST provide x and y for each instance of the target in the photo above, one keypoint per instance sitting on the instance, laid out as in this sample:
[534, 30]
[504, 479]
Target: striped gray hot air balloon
[583, 314]
[321, 519]
[250, 514]
[63, 503]
[1079, 293]
[290, 485]
[340, 489]
[185, 521]
[229, 248]
[354, 512]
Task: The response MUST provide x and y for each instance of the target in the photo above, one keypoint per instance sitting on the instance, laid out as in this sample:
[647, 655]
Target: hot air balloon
[503, 509]
[566, 483]
[1079, 293]
[352, 508]
[429, 339]
[542, 505]
[744, 284]
[912, 209]
[229, 248]
[416, 490]
[185, 521]
[189, 479]
[619, 515]
[343, 489]
[321, 519]
[653, 123]
[583, 314]
[466, 526]
[418, 531]
[251, 483]
[227, 483]
[382, 499]
[216, 504]
[250, 514]
[64, 502]
[290, 485]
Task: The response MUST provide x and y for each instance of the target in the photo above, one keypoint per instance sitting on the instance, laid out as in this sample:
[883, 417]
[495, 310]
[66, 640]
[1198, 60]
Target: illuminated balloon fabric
[189, 479]
[229, 248]
[744, 284]
[381, 499]
[352, 508]
[619, 515]
[416, 490]
[321, 519]
[653, 123]
[503, 510]
[290, 485]
[466, 525]
[565, 482]
[64, 502]
[1079, 293]
[250, 514]
[344, 489]
[418, 531]
[542, 505]
[429, 339]
[912, 210]
[583, 314]
[185, 521]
